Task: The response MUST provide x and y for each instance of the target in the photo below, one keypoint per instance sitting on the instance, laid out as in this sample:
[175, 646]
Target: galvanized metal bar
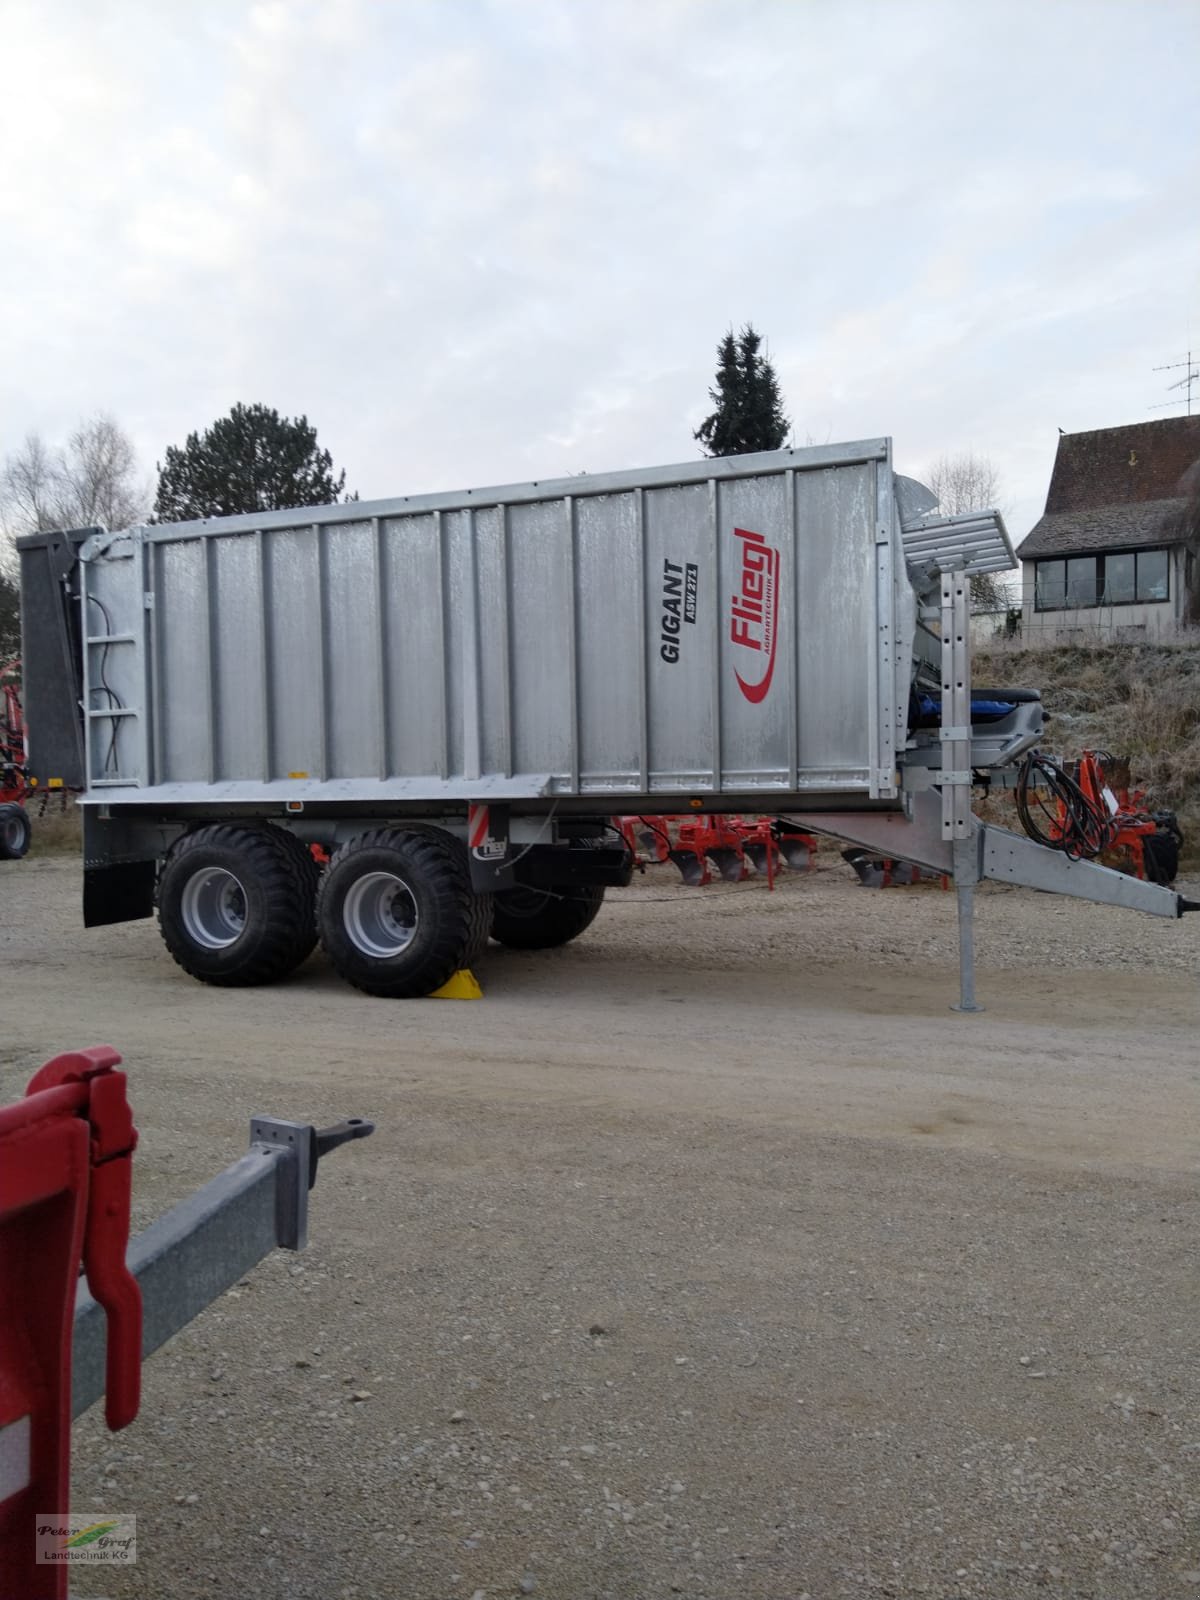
[642, 638]
[155, 653]
[809, 458]
[379, 588]
[321, 651]
[201, 1247]
[958, 824]
[793, 633]
[505, 730]
[965, 893]
[572, 644]
[1012, 858]
[439, 530]
[370, 792]
[142, 643]
[472, 733]
[264, 650]
[956, 703]
[966, 876]
[85, 601]
[210, 658]
[984, 538]
[878, 616]
[900, 667]
[293, 1179]
[714, 535]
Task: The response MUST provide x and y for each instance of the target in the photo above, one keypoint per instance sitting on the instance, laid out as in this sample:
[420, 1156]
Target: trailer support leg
[966, 876]
[966, 949]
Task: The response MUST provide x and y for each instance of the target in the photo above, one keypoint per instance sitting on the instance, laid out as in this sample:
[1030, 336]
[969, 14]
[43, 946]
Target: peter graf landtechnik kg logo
[79, 1539]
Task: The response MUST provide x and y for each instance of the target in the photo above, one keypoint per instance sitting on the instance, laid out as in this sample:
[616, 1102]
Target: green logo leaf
[89, 1535]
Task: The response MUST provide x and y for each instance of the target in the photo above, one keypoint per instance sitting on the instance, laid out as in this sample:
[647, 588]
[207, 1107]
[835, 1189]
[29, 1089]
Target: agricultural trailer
[447, 699]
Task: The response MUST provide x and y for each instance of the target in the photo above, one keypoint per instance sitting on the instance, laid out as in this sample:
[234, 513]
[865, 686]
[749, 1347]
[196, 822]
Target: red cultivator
[882, 872]
[14, 819]
[738, 847]
[1094, 815]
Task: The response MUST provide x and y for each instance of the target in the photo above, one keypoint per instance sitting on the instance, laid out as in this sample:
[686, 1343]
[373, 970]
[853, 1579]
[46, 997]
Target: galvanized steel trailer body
[509, 643]
[742, 634]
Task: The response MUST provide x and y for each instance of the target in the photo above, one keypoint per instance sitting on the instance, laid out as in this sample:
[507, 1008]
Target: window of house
[1117, 578]
[1120, 579]
[1050, 579]
[1081, 581]
[1153, 579]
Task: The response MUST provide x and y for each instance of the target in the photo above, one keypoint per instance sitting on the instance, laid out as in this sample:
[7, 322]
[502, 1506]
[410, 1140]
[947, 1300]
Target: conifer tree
[749, 412]
[251, 460]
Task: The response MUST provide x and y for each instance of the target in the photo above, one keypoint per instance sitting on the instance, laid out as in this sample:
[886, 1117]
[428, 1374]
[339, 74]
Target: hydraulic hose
[1056, 812]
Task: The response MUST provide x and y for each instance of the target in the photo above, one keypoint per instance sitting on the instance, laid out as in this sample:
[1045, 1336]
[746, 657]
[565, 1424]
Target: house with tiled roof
[1111, 556]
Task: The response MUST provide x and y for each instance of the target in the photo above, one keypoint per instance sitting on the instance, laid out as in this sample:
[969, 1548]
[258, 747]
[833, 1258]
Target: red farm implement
[738, 847]
[1082, 810]
[883, 872]
[14, 819]
[1078, 810]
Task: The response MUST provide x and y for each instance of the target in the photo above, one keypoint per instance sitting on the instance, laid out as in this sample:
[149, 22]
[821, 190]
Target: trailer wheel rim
[380, 915]
[213, 908]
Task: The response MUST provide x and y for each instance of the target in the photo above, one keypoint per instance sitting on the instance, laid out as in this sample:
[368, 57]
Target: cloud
[478, 240]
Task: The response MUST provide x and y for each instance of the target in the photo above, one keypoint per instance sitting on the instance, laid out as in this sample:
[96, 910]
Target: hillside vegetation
[1140, 702]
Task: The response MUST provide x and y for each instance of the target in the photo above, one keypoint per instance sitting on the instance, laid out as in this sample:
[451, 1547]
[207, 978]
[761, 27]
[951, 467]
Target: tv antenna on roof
[1184, 383]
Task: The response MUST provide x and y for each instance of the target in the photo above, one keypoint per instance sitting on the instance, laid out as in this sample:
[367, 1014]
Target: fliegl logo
[754, 618]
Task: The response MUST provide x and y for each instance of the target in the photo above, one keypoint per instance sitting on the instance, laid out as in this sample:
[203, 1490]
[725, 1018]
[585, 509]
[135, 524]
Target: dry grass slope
[56, 831]
[1141, 702]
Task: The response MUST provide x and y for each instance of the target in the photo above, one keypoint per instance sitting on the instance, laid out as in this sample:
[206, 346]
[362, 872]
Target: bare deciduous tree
[29, 491]
[101, 478]
[10, 617]
[964, 482]
[91, 479]
[967, 482]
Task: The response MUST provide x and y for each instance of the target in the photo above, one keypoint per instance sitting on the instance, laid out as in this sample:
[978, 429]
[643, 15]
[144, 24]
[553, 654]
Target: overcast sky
[479, 241]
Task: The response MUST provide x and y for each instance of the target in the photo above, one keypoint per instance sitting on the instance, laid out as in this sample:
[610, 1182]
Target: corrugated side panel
[683, 728]
[413, 644]
[835, 627]
[184, 674]
[758, 551]
[295, 680]
[236, 611]
[657, 639]
[611, 634]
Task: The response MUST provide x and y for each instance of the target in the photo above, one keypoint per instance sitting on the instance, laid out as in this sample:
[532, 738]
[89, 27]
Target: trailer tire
[479, 910]
[540, 919]
[304, 865]
[15, 830]
[397, 914]
[236, 904]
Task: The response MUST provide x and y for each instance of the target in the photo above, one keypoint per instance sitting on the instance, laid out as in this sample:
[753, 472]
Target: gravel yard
[709, 1256]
